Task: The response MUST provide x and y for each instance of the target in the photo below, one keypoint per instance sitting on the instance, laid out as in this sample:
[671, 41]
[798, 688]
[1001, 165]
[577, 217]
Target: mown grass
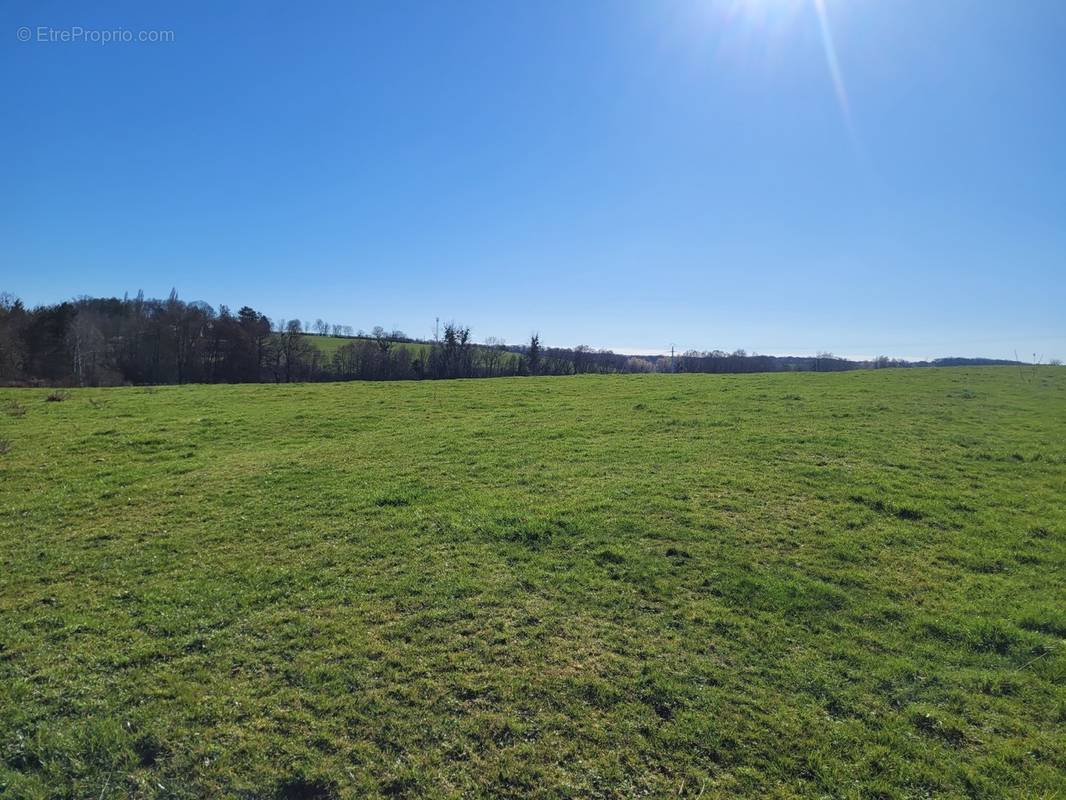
[819, 585]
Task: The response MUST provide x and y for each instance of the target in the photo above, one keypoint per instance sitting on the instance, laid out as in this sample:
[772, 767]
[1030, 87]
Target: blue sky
[620, 174]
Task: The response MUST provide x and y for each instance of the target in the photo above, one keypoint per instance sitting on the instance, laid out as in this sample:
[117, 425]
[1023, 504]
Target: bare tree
[491, 357]
[382, 339]
[637, 364]
[87, 347]
[296, 351]
[582, 358]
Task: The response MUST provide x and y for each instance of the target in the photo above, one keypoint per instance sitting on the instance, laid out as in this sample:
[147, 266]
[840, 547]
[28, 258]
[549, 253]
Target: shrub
[55, 396]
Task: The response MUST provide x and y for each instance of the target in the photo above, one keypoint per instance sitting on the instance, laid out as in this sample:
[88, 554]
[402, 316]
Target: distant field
[817, 585]
[331, 344]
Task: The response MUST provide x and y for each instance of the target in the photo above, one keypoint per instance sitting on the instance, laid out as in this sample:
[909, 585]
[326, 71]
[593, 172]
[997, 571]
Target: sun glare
[762, 23]
[764, 12]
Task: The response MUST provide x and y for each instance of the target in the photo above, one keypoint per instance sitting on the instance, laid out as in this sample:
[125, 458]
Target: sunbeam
[834, 65]
[765, 25]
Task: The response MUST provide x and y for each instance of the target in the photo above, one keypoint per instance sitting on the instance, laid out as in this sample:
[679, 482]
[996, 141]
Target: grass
[817, 585]
[329, 345]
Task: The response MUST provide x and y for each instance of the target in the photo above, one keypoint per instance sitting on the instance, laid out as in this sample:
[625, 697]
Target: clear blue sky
[621, 174]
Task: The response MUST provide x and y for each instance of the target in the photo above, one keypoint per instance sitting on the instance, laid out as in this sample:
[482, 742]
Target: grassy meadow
[789, 585]
[329, 345]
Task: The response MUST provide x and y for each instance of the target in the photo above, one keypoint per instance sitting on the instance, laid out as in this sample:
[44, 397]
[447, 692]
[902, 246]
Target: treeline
[111, 341]
[572, 361]
[108, 342]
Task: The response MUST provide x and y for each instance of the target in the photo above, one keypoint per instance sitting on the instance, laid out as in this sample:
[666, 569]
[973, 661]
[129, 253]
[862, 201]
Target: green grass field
[817, 585]
[329, 345]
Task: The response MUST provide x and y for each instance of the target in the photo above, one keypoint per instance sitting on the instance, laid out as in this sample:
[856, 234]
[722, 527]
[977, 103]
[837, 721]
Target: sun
[767, 19]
